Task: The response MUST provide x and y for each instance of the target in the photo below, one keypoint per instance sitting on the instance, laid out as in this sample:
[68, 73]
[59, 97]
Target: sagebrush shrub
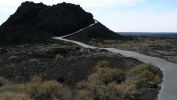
[143, 74]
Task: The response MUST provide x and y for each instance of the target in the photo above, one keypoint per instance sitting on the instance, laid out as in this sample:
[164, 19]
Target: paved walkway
[168, 86]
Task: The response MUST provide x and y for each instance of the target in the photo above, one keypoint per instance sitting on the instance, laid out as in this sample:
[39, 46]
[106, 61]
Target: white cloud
[84, 3]
[105, 3]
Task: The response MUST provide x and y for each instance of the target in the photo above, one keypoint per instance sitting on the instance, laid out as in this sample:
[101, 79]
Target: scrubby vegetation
[143, 74]
[35, 90]
[137, 43]
[105, 83]
[162, 48]
[113, 84]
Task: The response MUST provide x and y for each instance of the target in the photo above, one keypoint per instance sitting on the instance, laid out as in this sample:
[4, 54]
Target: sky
[117, 15]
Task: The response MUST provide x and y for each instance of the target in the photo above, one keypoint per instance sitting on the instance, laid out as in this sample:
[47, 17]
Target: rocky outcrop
[38, 21]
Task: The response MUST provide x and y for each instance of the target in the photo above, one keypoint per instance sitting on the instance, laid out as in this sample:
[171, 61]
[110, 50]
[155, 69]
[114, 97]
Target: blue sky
[118, 15]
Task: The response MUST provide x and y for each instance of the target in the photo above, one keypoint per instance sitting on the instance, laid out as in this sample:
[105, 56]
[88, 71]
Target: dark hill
[36, 22]
[60, 19]
[39, 21]
[98, 32]
[22, 34]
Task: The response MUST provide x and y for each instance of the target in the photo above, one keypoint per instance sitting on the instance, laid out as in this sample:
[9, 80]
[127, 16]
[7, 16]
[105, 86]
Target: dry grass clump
[14, 96]
[13, 58]
[59, 57]
[64, 46]
[101, 64]
[48, 90]
[126, 90]
[13, 92]
[175, 42]
[36, 78]
[34, 60]
[82, 84]
[72, 58]
[66, 43]
[35, 90]
[3, 81]
[101, 85]
[107, 75]
[104, 73]
[83, 94]
[97, 90]
[54, 45]
[40, 90]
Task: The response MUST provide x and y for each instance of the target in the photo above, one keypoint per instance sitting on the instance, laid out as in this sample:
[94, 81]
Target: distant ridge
[151, 34]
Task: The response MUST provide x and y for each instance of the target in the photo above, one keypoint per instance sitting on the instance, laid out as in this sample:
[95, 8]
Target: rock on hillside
[60, 19]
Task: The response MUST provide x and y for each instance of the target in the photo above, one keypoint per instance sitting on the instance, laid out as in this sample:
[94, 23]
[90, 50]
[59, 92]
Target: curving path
[168, 86]
[81, 29]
